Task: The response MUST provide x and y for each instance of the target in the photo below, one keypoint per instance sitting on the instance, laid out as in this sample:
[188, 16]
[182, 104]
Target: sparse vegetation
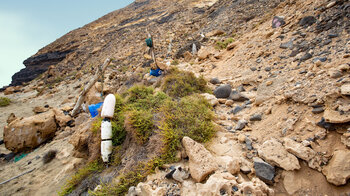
[175, 113]
[80, 175]
[175, 62]
[222, 45]
[4, 101]
[142, 124]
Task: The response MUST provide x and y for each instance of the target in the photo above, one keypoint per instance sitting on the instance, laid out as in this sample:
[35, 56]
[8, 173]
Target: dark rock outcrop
[37, 65]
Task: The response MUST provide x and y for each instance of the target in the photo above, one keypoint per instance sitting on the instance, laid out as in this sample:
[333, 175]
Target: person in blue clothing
[155, 69]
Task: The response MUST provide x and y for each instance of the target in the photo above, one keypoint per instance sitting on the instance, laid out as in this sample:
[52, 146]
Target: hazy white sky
[28, 25]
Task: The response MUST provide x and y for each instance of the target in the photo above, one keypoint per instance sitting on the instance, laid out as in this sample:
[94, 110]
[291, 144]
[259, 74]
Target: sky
[28, 25]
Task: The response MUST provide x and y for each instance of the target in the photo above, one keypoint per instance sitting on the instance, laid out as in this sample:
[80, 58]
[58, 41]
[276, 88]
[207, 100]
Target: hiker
[155, 69]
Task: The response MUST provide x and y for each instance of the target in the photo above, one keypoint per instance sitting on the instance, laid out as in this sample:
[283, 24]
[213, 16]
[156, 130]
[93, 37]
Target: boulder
[30, 132]
[201, 162]
[61, 118]
[337, 171]
[274, 152]
[332, 116]
[203, 53]
[298, 149]
[223, 91]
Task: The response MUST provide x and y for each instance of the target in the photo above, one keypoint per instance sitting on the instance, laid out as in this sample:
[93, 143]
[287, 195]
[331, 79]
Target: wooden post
[88, 87]
[152, 51]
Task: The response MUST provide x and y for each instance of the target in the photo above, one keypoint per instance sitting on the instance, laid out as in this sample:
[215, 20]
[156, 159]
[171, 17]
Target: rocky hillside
[278, 74]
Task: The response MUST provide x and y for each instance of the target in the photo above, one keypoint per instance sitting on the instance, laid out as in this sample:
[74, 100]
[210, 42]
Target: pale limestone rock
[201, 162]
[30, 132]
[203, 53]
[211, 99]
[292, 183]
[298, 149]
[333, 116]
[273, 151]
[337, 171]
[61, 118]
[345, 89]
[233, 166]
[345, 139]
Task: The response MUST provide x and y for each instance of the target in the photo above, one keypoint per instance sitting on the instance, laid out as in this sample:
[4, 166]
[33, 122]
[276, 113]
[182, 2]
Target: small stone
[305, 57]
[335, 74]
[307, 21]
[269, 83]
[344, 67]
[241, 138]
[248, 143]
[331, 4]
[236, 96]
[233, 166]
[240, 88]
[278, 22]
[346, 56]
[222, 101]
[267, 68]
[223, 91]
[287, 45]
[255, 117]
[263, 170]
[317, 110]
[322, 123]
[318, 63]
[345, 89]
[215, 81]
[331, 35]
[253, 68]
[240, 125]
[236, 109]
[229, 103]
[245, 169]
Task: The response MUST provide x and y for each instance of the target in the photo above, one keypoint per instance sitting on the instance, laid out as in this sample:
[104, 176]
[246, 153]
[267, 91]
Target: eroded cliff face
[121, 33]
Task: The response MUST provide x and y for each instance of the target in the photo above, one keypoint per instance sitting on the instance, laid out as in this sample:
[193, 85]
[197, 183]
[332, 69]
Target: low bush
[80, 175]
[4, 101]
[179, 83]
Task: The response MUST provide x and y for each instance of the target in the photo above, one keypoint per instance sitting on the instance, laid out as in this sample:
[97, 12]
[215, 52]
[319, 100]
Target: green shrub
[80, 175]
[224, 44]
[179, 83]
[143, 98]
[142, 123]
[175, 62]
[4, 101]
[192, 117]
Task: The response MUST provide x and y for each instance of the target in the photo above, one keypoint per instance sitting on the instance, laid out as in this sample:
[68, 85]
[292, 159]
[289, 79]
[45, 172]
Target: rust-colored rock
[30, 132]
